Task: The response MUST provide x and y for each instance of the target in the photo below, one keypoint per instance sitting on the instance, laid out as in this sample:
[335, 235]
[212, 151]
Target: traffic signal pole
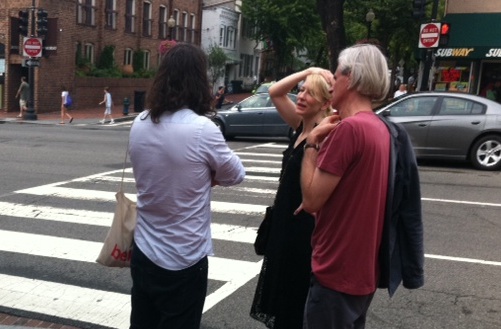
[428, 54]
[30, 113]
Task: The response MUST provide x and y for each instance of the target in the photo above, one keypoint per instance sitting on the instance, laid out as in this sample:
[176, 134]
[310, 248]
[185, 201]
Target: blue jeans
[166, 299]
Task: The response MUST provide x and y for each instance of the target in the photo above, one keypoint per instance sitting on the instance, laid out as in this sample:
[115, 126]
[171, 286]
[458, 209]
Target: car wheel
[486, 153]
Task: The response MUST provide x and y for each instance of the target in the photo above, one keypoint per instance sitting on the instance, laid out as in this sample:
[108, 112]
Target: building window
[230, 38]
[89, 52]
[130, 16]
[86, 12]
[128, 55]
[146, 60]
[222, 32]
[192, 28]
[147, 21]
[111, 14]
[175, 30]
[162, 23]
[184, 22]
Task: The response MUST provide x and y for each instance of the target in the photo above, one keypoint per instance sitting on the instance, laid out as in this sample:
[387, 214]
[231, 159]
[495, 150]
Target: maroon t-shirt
[349, 226]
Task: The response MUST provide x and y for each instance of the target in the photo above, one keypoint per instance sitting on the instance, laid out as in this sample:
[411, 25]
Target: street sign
[429, 35]
[31, 62]
[32, 47]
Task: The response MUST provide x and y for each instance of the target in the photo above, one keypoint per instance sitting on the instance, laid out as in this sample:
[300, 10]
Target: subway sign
[469, 52]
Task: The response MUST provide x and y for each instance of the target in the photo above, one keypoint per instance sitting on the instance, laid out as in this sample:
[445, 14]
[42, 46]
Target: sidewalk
[91, 115]
[85, 116]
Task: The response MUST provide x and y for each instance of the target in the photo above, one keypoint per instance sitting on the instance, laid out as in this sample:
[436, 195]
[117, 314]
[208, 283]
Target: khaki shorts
[22, 103]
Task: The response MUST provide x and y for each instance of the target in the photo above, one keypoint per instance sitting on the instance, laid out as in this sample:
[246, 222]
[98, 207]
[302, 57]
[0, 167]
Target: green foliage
[286, 26]
[138, 60]
[217, 62]
[106, 58]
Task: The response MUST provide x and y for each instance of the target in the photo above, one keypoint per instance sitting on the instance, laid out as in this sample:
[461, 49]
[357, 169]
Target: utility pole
[30, 113]
[428, 54]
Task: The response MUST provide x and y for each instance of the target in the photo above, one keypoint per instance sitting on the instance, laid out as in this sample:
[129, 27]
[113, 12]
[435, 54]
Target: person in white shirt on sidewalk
[109, 102]
[401, 90]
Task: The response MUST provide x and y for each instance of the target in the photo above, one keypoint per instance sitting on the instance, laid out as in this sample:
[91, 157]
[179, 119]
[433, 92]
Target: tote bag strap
[125, 161]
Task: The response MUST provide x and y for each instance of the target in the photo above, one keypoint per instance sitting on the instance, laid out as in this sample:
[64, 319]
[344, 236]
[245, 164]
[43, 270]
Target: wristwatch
[313, 146]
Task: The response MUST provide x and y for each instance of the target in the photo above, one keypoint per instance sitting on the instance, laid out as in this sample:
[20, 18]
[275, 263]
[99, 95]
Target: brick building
[79, 31]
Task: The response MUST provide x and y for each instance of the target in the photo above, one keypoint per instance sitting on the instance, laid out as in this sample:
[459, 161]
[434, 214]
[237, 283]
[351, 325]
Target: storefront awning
[472, 36]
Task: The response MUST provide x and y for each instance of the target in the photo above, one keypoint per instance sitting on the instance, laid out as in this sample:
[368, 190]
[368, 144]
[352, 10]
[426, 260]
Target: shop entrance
[490, 80]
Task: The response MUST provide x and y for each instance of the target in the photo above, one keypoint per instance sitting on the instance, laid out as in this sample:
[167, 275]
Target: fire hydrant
[126, 106]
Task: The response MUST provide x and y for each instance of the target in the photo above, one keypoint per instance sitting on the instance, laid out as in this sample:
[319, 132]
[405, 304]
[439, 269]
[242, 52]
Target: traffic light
[418, 8]
[42, 22]
[24, 19]
[444, 34]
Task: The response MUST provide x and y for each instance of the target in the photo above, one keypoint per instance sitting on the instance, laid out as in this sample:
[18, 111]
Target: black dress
[285, 275]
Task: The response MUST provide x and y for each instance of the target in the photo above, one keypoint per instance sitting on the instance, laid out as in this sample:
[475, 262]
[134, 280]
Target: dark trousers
[163, 299]
[330, 309]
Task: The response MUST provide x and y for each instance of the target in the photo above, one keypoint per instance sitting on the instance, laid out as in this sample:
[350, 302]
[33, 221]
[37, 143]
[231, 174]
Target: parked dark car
[452, 126]
[254, 116]
[263, 88]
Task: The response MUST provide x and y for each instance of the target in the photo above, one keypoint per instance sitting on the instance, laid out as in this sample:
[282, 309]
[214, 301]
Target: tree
[332, 18]
[285, 27]
[217, 63]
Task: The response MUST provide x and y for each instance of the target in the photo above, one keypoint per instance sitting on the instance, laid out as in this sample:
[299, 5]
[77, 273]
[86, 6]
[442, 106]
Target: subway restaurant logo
[470, 52]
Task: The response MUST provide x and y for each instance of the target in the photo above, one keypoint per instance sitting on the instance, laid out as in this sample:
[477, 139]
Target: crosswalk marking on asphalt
[108, 308]
[65, 301]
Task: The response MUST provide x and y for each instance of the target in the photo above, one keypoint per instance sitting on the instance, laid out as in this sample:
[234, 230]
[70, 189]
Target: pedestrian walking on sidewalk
[285, 274]
[64, 105]
[108, 103]
[24, 94]
[177, 155]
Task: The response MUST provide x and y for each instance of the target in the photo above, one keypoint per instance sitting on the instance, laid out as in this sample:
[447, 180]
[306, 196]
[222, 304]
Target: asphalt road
[56, 187]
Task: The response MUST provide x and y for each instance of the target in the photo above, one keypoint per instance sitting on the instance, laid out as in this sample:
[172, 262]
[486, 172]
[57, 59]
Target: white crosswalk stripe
[106, 308]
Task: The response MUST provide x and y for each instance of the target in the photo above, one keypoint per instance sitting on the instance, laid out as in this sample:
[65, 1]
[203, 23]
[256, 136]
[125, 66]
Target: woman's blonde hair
[320, 90]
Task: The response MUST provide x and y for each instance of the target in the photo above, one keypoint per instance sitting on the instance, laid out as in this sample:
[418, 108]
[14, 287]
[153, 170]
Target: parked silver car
[254, 116]
[455, 126]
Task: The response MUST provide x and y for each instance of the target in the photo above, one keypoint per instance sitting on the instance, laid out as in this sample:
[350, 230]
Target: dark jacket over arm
[401, 256]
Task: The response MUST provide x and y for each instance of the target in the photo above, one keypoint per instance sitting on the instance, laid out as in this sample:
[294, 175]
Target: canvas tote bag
[117, 247]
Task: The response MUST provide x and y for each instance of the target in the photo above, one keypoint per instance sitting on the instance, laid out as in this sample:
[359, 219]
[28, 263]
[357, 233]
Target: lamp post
[171, 22]
[369, 18]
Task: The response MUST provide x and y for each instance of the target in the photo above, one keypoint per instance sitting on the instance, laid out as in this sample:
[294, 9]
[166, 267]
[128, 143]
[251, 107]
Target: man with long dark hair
[177, 154]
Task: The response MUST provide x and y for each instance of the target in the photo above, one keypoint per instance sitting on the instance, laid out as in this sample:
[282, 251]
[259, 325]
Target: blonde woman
[284, 279]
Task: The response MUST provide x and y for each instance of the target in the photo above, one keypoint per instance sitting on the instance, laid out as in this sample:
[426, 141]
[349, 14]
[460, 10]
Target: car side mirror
[386, 113]
[239, 108]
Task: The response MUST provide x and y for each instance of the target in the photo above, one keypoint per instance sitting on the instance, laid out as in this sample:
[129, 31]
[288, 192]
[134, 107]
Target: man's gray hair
[368, 70]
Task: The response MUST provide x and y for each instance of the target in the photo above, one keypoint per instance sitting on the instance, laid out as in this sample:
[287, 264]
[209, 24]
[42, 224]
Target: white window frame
[86, 12]
[162, 23]
[89, 52]
[128, 56]
[130, 17]
[111, 14]
[147, 20]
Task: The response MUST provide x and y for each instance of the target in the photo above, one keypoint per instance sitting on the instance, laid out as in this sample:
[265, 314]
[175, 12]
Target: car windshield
[256, 101]
[264, 88]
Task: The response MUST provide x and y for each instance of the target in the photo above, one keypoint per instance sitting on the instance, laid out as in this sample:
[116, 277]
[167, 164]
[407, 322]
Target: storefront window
[452, 76]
